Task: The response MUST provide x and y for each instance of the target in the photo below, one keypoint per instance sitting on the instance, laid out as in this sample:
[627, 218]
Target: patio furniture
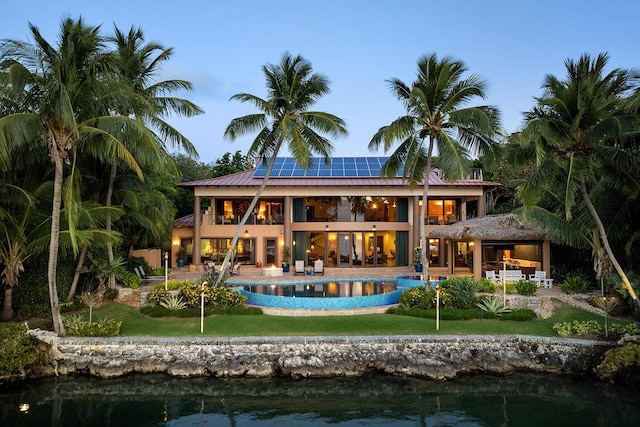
[235, 271]
[299, 267]
[511, 276]
[318, 267]
[540, 277]
[491, 275]
[146, 278]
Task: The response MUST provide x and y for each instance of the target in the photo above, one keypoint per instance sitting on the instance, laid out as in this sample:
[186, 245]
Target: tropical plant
[136, 64]
[74, 321]
[93, 298]
[157, 295]
[462, 291]
[493, 305]
[575, 284]
[418, 298]
[526, 287]
[173, 303]
[62, 96]
[284, 118]
[577, 328]
[286, 254]
[436, 118]
[486, 285]
[578, 133]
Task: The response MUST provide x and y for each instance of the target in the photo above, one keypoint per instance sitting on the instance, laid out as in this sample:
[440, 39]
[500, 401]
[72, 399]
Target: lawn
[134, 324]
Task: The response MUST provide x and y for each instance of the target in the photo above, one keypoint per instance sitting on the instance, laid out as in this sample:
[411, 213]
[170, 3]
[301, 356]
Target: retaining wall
[435, 357]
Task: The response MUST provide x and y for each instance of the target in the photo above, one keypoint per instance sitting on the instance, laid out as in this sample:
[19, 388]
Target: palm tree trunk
[605, 243]
[423, 211]
[112, 179]
[7, 311]
[58, 327]
[247, 214]
[76, 276]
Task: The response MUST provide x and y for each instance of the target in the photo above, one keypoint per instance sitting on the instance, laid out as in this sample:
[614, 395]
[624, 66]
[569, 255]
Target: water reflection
[156, 400]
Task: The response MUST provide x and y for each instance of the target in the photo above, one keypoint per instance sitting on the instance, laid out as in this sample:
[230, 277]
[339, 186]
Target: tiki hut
[505, 241]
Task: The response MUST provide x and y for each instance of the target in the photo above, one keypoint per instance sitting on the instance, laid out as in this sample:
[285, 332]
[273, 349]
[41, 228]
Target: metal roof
[248, 179]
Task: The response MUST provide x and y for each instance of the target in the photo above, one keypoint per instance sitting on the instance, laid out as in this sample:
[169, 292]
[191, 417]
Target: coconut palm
[578, 131]
[138, 65]
[62, 92]
[437, 120]
[284, 118]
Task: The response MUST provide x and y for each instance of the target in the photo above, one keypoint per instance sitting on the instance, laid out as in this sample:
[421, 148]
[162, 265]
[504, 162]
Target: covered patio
[495, 242]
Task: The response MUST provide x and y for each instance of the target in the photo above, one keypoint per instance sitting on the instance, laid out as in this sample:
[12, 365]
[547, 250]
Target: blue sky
[221, 47]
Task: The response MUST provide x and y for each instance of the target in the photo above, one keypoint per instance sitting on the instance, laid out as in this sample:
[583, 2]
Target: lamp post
[166, 270]
[504, 282]
[202, 286]
[437, 306]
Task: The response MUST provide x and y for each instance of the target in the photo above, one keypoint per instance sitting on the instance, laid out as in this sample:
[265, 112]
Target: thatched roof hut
[492, 227]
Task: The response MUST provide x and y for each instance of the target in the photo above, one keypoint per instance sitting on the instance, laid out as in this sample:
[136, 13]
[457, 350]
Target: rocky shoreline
[433, 357]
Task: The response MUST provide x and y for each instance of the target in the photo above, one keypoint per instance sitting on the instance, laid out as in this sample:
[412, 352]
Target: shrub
[191, 293]
[457, 314]
[101, 328]
[130, 280]
[575, 284]
[493, 305]
[172, 285]
[158, 295]
[526, 287]
[625, 329]
[577, 328]
[173, 303]
[418, 297]
[226, 297]
[74, 305]
[486, 285]
[157, 311]
[521, 315]
[18, 350]
[74, 321]
[110, 294]
[617, 360]
[462, 291]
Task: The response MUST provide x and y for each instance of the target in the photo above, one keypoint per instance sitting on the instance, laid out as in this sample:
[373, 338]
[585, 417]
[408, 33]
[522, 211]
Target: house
[344, 214]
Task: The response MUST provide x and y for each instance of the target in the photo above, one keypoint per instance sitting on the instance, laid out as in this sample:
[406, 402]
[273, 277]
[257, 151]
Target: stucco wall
[435, 357]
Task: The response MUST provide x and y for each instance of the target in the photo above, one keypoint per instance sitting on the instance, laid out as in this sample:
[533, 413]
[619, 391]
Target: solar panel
[347, 167]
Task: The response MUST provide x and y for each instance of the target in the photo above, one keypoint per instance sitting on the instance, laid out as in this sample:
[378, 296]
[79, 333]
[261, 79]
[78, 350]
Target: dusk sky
[221, 47]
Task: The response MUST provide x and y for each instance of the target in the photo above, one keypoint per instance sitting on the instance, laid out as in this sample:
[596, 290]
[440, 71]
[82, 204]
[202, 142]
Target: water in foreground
[376, 400]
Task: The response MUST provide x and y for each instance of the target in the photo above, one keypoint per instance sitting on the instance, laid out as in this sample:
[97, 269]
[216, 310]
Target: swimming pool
[332, 294]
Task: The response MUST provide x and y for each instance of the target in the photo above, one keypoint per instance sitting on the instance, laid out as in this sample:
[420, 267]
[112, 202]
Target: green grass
[134, 324]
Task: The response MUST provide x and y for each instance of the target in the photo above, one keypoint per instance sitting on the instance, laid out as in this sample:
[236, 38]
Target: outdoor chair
[146, 278]
[318, 267]
[235, 271]
[491, 275]
[540, 277]
[299, 267]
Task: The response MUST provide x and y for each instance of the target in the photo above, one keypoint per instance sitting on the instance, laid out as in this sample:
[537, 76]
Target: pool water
[322, 294]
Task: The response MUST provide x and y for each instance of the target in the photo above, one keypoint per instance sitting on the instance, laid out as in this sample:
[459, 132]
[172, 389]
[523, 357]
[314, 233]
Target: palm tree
[578, 130]
[62, 92]
[138, 64]
[292, 89]
[436, 118]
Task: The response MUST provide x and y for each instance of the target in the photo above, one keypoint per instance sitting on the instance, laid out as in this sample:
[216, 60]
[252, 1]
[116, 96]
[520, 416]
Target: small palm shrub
[493, 305]
[575, 284]
[526, 287]
[462, 291]
[173, 303]
[486, 285]
[418, 297]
